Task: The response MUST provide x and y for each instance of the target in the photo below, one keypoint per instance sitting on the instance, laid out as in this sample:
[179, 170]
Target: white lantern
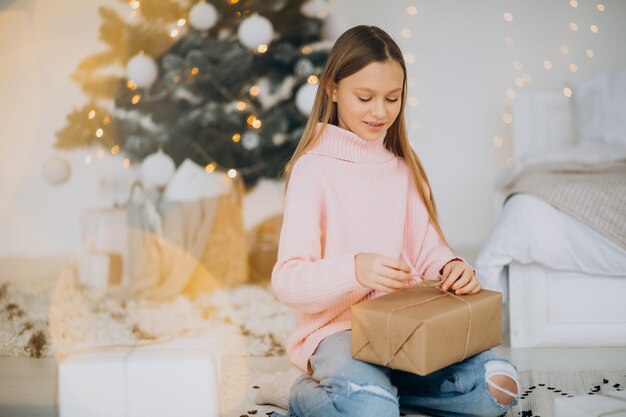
[202, 16]
[157, 169]
[56, 170]
[254, 31]
[317, 9]
[305, 97]
[142, 70]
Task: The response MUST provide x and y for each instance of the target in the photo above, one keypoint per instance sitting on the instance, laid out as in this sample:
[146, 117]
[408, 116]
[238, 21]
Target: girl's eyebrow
[373, 91]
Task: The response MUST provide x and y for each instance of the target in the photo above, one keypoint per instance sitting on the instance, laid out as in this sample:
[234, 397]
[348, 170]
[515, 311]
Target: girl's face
[369, 100]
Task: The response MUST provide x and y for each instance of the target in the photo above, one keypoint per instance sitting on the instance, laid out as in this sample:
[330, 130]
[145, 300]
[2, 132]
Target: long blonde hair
[353, 50]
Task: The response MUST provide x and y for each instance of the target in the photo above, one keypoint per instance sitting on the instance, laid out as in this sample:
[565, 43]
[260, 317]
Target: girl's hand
[460, 277]
[380, 272]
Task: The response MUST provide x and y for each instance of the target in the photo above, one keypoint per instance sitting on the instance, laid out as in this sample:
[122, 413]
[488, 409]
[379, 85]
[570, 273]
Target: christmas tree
[226, 83]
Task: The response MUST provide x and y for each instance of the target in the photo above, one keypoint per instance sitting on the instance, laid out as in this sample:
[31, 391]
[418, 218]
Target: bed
[561, 270]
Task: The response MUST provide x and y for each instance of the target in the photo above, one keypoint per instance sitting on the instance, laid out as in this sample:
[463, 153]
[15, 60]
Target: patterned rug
[539, 389]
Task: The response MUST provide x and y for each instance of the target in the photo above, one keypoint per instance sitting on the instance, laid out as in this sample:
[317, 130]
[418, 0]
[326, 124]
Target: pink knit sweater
[345, 196]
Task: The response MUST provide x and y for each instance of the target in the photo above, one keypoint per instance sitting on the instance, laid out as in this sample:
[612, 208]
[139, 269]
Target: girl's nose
[378, 108]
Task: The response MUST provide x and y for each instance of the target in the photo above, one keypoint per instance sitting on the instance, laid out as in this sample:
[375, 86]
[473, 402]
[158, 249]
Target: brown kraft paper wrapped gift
[423, 329]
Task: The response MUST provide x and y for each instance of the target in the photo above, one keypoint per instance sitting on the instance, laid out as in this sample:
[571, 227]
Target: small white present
[611, 403]
[104, 231]
[154, 380]
[100, 270]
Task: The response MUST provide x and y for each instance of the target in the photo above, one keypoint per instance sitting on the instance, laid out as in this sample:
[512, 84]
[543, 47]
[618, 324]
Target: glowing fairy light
[573, 26]
[567, 92]
[497, 141]
[91, 114]
[589, 53]
[99, 133]
[115, 149]
[232, 173]
[136, 98]
[593, 28]
[412, 10]
[236, 137]
[88, 160]
[312, 79]
[210, 167]
[507, 118]
[573, 67]
[262, 48]
[241, 105]
[508, 17]
[509, 41]
[573, 3]
[181, 22]
[409, 58]
[518, 66]
[406, 33]
[510, 93]
[255, 90]
[126, 163]
[547, 64]
[601, 7]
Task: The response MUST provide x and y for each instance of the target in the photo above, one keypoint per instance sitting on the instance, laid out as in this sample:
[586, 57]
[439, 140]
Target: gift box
[423, 328]
[105, 246]
[152, 380]
[611, 403]
[100, 270]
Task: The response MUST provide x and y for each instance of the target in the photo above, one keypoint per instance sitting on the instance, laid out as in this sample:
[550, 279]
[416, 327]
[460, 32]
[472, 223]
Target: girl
[360, 221]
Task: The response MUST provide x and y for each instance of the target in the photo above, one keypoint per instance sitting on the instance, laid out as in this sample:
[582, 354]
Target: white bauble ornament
[142, 70]
[317, 9]
[202, 16]
[56, 170]
[254, 31]
[157, 169]
[305, 97]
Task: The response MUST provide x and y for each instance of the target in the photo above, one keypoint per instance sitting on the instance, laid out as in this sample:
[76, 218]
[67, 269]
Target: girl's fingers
[471, 285]
[466, 277]
[453, 274]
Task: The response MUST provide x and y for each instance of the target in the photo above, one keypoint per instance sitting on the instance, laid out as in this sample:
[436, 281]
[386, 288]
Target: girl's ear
[331, 90]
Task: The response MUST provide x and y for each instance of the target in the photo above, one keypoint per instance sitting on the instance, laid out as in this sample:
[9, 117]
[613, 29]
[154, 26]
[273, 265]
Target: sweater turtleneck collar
[343, 144]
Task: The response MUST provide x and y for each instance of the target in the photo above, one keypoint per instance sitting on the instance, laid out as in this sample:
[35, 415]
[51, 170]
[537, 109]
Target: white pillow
[599, 108]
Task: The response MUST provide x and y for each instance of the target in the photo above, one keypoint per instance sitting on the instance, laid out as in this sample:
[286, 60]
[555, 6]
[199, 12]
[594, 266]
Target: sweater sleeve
[301, 278]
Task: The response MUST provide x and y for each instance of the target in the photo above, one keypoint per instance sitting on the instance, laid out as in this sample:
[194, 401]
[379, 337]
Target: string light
[100, 153]
[135, 4]
[174, 33]
[312, 79]
[509, 160]
[593, 28]
[509, 41]
[233, 1]
[241, 105]
[573, 26]
[497, 141]
[573, 3]
[88, 159]
[232, 173]
[508, 17]
[406, 33]
[262, 48]
[510, 93]
[306, 50]
[601, 7]
[547, 64]
[409, 58]
[573, 67]
[176, 79]
[181, 22]
[115, 149]
[195, 71]
[106, 120]
[256, 124]
[131, 85]
[412, 10]
[236, 137]
[507, 118]
[255, 90]
[589, 53]
[99, 133]
[126, 163]
[519, 81]
[567, 92]
[135, 99]
[210, 167]
[92, 114]
[564, 49]
[518, 65]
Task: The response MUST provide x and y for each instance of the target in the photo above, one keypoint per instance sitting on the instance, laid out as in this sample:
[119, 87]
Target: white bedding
[529, 230]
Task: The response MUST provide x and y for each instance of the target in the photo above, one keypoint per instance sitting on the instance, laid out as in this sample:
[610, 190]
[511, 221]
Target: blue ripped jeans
[344, 387]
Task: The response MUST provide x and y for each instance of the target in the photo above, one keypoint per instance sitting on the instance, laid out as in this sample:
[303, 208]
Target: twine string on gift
[437, 285]
[612, 412]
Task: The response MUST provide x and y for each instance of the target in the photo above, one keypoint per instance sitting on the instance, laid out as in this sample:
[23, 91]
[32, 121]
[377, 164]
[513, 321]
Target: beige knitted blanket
[595, 193]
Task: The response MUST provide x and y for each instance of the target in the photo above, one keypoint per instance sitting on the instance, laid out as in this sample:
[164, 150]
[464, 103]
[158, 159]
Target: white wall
[461, 71]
